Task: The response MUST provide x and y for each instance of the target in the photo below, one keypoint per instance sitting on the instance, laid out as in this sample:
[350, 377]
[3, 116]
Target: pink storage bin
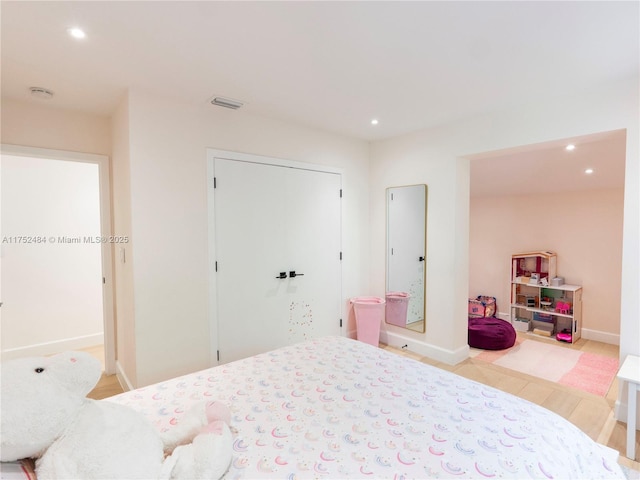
[369, 313]
[396, 310]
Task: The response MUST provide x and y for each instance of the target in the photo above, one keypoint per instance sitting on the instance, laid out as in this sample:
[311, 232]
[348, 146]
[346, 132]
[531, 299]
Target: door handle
[293, 274]
[421, 259]
[282, 275]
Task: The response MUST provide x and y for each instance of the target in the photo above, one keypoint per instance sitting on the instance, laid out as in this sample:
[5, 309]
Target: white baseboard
[122, 378]
[621, 409]
[618, 412]
[450, 357]
[51, 348]
[598, 336]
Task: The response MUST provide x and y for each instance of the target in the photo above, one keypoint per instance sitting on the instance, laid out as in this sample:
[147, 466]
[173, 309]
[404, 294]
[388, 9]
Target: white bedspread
[337, 408]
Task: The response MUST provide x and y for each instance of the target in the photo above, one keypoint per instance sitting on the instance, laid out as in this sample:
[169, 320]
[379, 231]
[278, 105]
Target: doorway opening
[55, 268]
[548, 197]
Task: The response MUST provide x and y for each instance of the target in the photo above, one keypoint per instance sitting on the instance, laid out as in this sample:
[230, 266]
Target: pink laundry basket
[396, 311]
[369, 313]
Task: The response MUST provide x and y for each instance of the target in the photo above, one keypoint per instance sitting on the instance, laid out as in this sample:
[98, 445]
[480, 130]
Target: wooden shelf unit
[528, 309]
[524, 265]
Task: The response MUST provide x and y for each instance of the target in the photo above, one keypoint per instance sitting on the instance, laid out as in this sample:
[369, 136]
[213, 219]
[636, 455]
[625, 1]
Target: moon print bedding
[336, 408]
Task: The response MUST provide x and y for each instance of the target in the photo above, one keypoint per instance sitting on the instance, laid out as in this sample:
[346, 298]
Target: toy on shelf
[546, 303]
[564, 336]
[535, 268]
[563, 307]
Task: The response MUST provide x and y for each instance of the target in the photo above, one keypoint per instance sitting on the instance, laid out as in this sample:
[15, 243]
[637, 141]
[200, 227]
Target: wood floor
[108, 384]
[591, 413]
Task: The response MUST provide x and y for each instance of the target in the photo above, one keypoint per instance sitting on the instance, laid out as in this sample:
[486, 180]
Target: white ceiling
[550, 168]
[337, 65]
[329, 65]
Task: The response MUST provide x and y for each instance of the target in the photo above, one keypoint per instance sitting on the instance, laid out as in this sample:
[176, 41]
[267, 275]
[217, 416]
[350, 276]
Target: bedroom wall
[122, 255]
[40, 125]
[439, 158]
[168, 185]
[583, 228]
[44, 126]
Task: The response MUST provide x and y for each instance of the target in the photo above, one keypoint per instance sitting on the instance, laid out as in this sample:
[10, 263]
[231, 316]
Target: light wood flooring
[591, 413]
[108, 384]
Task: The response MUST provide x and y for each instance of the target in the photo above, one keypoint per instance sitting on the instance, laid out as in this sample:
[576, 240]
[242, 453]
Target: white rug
[540, 360]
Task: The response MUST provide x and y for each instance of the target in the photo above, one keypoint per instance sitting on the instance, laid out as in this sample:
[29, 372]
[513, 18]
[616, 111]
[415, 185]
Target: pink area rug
[586, 371]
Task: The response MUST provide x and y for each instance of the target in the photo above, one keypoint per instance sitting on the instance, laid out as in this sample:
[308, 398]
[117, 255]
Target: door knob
[282, 275]
[293, 274]
[421, 259]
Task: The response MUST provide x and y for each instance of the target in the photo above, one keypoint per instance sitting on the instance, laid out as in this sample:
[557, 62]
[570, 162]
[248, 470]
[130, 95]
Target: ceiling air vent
[227, 103]
[40, 92]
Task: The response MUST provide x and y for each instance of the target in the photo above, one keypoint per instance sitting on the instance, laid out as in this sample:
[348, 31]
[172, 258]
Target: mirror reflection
[406, 256]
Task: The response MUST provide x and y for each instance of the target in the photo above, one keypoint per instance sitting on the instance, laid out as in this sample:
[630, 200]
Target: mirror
[406, 256]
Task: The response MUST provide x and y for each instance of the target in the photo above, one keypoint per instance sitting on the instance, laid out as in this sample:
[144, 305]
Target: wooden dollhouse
[539, 303]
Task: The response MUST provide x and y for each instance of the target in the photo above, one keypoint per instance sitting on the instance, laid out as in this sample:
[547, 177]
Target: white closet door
[313, 249]
[272, 219]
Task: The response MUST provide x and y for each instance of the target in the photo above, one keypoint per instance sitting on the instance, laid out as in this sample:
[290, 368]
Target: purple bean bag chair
[491, 333]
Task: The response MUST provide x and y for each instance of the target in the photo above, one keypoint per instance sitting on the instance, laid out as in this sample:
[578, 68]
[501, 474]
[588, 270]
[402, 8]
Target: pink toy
[563, 307]
[564, 336]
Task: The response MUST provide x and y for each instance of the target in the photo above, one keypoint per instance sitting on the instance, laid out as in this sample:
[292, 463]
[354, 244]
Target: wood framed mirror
[406, 256]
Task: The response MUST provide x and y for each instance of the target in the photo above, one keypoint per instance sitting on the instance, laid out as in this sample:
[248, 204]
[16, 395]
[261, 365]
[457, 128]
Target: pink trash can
[369, 315]
[396, 312]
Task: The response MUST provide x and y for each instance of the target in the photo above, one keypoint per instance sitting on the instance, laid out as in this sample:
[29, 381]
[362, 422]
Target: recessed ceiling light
[76, 32]
[570, 147]
[374, 122]
[40, 92]
[589, 171]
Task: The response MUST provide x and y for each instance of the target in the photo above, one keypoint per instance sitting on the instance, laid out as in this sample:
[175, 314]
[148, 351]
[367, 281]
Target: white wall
[437, 157]
[38, 125]
[52, 289]
[168, 185]
[123, 253]
[419, 158]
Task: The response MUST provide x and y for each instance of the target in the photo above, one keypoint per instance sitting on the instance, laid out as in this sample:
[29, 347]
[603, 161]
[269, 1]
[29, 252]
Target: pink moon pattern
[336, 408]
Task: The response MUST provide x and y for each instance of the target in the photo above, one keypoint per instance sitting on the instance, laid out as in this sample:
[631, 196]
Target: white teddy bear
[45, 415]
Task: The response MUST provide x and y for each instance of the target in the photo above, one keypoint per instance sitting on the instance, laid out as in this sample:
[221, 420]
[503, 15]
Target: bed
[338, 408]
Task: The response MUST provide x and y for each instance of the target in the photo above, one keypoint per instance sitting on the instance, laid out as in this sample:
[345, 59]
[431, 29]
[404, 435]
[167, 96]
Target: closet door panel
[313, 248]
[250, 231]
[271, 219]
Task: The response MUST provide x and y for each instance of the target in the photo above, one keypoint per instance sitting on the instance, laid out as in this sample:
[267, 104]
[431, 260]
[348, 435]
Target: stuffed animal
[44, 414]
